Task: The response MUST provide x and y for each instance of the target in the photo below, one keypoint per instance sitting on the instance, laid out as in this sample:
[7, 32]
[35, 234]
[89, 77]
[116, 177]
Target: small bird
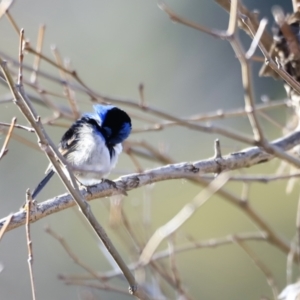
[92, 145]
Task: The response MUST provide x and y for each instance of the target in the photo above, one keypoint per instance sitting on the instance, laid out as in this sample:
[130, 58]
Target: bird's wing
[70, 139]
[68, 142]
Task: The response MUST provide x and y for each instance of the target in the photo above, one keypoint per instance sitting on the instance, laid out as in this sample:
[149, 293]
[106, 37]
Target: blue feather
[114, 121]
[122, 135]
[101, 110]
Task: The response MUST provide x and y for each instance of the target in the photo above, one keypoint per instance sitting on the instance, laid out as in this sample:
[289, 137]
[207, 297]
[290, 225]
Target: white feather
[91, 161]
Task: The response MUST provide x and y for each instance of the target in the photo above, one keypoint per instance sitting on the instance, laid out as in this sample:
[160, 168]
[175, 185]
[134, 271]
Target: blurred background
[114, 46]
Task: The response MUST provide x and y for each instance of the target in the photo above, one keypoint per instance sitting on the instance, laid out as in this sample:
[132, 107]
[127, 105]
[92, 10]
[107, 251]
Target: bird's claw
[111, 183]
[115, 186]
[87, 188]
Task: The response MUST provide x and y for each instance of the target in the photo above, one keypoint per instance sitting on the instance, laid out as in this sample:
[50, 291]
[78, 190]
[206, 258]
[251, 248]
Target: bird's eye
[107, 131]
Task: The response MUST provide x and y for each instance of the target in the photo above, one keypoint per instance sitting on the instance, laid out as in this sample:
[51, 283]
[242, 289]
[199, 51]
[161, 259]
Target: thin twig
[262, 25]
[12, 21]
[248, 89]
[72, 255]
[37, 59]
[29, 242]
[271, 120]
[8, 136]
[262, 267]
[5, 225]
[67, 90]
[219, 114]
[244, 13]
[104, 287]
[30, 129]
[21, 57]
[175, 18]
[179, 287]
[290, 260]
[138, 166]
[161, 271]
[192, 246]
[233, 19]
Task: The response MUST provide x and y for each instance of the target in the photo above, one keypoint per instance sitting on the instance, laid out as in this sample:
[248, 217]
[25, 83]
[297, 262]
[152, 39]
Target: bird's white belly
[91, 160]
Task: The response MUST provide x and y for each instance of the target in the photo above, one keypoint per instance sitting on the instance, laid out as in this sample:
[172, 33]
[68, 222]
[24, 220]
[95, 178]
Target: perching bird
[93, 143]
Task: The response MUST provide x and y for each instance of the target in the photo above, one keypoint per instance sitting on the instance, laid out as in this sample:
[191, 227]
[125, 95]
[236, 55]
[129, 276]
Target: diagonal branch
[25, 106]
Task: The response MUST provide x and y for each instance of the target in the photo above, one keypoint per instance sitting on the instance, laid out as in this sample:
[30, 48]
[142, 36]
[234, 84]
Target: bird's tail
[42, 184]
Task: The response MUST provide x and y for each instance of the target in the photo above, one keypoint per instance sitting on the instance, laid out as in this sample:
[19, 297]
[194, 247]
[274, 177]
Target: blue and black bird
[92, 145]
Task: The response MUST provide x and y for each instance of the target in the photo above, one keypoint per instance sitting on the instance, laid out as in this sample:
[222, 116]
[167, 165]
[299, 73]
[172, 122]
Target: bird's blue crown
[115, 123]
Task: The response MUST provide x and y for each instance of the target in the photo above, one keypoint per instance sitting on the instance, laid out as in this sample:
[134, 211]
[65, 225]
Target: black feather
[117, 124]
[42, 184]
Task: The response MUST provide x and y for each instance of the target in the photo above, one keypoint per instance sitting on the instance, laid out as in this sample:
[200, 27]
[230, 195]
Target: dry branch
[243, 159]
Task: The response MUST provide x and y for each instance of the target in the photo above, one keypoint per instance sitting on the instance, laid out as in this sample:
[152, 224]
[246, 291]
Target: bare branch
[8, 136]
[243, 159]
